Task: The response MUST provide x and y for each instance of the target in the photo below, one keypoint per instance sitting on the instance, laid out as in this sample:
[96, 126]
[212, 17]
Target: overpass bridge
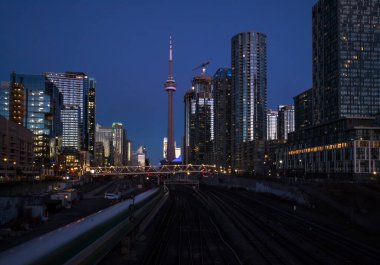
[152, 170]
[90, 239]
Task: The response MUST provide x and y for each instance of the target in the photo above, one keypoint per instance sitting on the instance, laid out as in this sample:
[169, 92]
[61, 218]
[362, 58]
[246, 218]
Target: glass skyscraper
[119, 137]
[104, 135]
[41, 105]
[272, 117]
[346, 59]
[285, 123]
[199, 122]
[74, 87]
[343, 138]
[71, 129]
[303, 110]
[249, 100]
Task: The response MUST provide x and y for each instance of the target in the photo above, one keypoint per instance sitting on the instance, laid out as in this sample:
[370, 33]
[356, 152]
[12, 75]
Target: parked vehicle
[112, 196]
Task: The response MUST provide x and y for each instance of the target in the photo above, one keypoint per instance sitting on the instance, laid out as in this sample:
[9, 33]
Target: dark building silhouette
[199, 122]
[303, 113]
[91, 115]
[222, 118]
[343, 137]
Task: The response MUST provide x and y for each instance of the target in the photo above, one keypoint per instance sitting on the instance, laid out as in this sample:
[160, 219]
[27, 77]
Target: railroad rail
[275, 233]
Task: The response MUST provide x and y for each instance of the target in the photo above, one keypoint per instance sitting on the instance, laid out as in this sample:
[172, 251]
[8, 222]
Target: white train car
[87, 240]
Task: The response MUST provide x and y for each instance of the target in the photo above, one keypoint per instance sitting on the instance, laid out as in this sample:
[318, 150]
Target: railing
[152, 170]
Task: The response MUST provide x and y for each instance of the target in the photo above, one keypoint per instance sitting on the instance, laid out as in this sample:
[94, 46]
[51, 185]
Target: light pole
[14, 167]
[6, 168]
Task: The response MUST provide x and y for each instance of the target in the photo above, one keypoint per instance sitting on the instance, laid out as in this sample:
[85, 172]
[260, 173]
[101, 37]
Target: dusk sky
[124, 45]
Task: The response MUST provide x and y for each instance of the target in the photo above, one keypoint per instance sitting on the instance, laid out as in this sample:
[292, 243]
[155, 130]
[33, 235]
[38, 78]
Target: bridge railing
[152, 170]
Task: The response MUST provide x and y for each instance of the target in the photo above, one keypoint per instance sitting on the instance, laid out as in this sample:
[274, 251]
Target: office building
[285, 123]
[99, 154]
[165, 146]
[139, 158]
[222, 117]
[4, 99]
[129, 152]
[117, 148]
[199, 122]
[104, 135]
[303, 110]
[91, 114]
[16, 151]
[36, 104]
[119, 137]
[343, 139]
[346, 79]
[71, 137]
[74, 87]
[17, 103]
[272, 117]
[249, 101]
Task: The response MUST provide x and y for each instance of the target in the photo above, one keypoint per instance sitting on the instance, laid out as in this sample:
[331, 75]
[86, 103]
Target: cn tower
[170, 87]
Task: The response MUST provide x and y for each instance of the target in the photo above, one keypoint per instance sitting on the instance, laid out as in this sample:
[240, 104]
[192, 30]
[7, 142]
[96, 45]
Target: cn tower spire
[170, 87]
[170, 57]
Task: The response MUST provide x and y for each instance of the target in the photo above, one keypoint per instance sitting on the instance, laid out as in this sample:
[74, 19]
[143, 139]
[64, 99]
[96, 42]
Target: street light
[6, 167]
[14, 167]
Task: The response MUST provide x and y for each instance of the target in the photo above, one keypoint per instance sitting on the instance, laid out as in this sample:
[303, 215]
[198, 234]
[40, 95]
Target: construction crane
[203, 66]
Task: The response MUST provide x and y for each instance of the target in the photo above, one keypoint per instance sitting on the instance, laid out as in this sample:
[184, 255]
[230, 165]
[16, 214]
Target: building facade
[16, 151]
[71, 137]
[17, 102]
[303, 113]
[249, 100]
[199, 122]
[272, 118]
[36, 104]
[104, 135]
[285, 123]
[343, 138]
[74, 87]
[346, 79]
[119, 138]
[91, 114]
[99, 154]
[165, 149]
[4, 99]
[222, 118]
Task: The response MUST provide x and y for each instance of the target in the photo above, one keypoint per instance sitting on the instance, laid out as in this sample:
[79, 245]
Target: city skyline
[118, 65]
[277, 126]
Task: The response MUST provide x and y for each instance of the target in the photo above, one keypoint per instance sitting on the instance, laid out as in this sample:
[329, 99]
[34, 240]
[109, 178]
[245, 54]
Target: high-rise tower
[199, 122]
[337, 125]
[170, 87]
[248, 100]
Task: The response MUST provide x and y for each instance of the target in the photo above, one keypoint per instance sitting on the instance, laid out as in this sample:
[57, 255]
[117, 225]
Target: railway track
[337, 244]
[186, 235]
[291, 238]
[196, 228]
[265, 250]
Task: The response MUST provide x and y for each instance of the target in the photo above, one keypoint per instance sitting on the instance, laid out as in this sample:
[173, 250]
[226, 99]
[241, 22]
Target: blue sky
[124, 45]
